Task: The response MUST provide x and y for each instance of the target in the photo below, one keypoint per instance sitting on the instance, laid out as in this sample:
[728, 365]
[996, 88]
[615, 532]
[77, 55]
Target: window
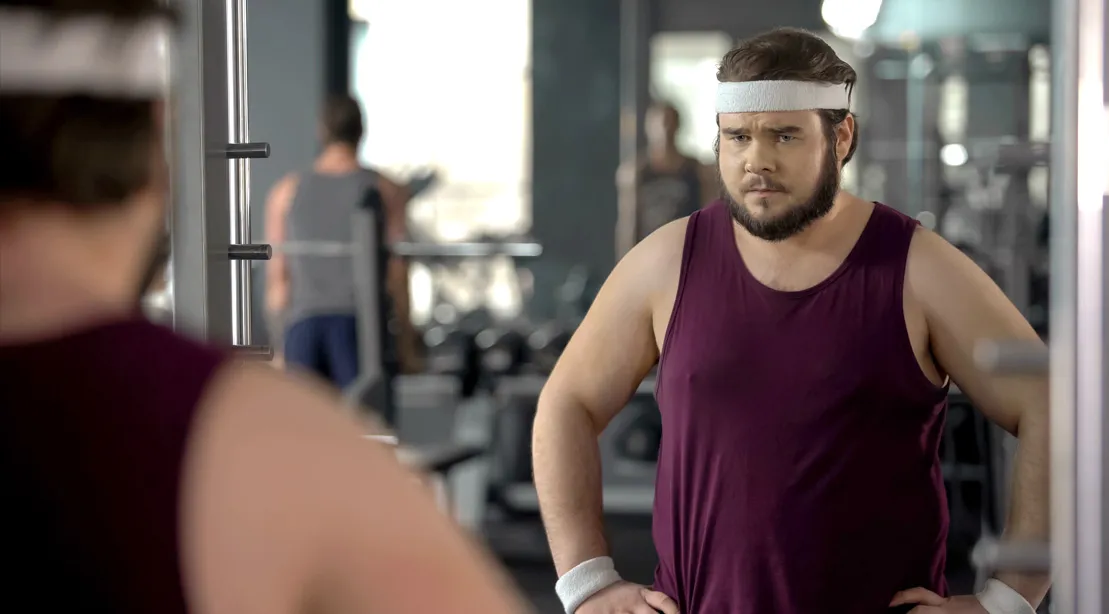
[446, 85]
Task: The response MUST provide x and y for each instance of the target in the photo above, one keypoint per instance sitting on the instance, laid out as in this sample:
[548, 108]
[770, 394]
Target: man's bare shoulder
[658, 257]
[287, 503]
[261, 404]
[931, 261]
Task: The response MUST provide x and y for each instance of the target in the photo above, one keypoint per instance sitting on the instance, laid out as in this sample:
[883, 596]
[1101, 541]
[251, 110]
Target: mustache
[762, 183]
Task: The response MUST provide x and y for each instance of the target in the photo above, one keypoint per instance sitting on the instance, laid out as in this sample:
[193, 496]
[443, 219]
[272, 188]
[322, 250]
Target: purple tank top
[799, 469]
[94, 429]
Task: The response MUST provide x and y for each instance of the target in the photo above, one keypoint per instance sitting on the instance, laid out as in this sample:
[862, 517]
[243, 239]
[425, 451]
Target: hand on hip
[628, 598]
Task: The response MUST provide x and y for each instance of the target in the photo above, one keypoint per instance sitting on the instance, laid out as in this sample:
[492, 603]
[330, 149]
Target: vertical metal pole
[200, 233]
[374, 387]
[239, 179]
[635, 50]
[1091, 188]
[920, 67]
[1080, 465]
[1062, 304]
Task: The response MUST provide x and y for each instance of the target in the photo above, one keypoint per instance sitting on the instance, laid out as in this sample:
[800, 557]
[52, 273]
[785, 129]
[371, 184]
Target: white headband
[41, 53]
[766, 96]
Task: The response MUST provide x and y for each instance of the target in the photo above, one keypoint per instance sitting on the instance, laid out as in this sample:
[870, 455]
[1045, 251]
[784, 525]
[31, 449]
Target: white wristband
[584, 581]
[999, 598]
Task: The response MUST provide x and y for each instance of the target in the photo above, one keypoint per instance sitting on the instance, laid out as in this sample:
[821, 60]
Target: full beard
[797, 217]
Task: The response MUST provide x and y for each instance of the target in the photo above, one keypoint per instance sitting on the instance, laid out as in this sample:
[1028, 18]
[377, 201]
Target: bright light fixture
[849, 19]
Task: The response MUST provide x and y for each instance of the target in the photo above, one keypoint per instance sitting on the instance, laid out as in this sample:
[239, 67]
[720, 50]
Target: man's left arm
[964, 307]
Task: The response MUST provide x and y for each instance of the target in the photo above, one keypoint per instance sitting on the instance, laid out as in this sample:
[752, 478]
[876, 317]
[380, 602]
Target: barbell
[415, 250]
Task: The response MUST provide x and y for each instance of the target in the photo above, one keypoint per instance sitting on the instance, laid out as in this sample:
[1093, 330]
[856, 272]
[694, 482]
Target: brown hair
[342, 120]
[84, 151]
[792, 54]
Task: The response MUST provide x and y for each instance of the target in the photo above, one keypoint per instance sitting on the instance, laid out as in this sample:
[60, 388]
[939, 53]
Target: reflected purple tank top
[799, 469]
[94, 429]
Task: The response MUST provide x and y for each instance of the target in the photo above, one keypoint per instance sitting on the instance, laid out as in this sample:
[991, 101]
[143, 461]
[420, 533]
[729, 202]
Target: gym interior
[974, 121]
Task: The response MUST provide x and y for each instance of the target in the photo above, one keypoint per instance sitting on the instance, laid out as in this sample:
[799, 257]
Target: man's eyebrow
[772, 129]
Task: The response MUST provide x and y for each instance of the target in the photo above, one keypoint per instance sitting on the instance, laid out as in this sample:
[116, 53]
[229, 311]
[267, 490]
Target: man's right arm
[607, 358]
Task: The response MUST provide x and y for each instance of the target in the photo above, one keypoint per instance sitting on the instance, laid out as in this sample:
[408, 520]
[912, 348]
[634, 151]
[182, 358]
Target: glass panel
[956, 108]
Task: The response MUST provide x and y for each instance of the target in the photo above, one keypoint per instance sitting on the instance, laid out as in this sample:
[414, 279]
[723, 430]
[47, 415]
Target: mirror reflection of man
[312, 297]
[662, 184]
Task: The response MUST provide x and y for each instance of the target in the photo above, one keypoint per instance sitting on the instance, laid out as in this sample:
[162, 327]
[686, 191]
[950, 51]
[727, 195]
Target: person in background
[313, 296]
[145, 472]
[663, 184]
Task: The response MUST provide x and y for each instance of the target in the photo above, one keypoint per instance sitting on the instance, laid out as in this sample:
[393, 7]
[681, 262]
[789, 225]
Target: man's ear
[845, 133]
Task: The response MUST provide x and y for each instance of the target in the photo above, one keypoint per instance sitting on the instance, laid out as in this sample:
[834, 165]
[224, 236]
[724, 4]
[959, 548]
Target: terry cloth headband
[765, 96]
[41, 53]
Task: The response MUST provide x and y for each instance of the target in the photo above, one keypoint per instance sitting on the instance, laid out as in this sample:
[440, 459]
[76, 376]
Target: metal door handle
[254, 352]
[242, 151]
[1010, 357]
[992, 555]
[250, 251]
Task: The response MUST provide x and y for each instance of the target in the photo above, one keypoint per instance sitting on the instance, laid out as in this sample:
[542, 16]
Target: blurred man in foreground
[144, 472]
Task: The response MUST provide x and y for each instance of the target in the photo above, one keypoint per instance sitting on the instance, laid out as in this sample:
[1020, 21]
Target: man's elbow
[1031, 423]
[560, 412]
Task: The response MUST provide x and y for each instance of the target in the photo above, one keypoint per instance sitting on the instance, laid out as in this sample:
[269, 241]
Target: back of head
[76, 142]
[82, 84]
[342, 121]
[791, 54]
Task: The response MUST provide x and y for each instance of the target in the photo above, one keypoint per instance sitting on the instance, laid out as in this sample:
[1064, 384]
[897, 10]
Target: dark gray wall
[575, 136]
[933, 19]
[285, 47]
[738, 18]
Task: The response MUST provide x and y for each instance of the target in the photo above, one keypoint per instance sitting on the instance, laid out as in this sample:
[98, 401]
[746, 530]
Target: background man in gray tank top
[663, 184]
[313, 296]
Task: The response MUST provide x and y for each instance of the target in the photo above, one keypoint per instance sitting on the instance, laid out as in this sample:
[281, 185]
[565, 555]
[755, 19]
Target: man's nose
[759, 159]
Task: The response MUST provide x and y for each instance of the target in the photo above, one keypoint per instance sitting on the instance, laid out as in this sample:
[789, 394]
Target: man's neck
[54, 283]
[337, 158]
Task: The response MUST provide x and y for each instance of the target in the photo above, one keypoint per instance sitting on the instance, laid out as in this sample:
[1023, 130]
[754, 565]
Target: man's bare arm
[277, 210]
[289, 509]
[395, 197]
[963, 307]
[604, 362]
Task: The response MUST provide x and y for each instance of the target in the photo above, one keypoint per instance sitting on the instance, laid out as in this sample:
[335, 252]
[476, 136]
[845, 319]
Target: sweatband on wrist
[584, 581]
[999, 598]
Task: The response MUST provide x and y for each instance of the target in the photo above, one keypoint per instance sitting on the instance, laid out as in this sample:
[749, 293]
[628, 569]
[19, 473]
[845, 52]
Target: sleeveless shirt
[665, 197]
[799, 469]
[321, 211]
[94, 429]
